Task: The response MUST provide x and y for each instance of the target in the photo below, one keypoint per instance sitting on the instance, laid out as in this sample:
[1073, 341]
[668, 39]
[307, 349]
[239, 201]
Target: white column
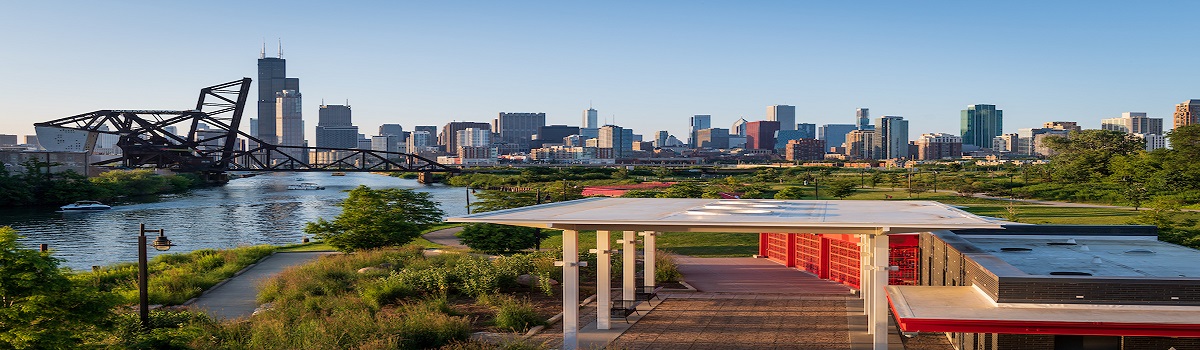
[628, 265]
[879, 277]
[648, 246]
[570, 284]
[603, 281]
[864, 275]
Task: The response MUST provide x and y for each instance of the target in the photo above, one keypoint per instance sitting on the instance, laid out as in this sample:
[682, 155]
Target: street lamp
[161, 244]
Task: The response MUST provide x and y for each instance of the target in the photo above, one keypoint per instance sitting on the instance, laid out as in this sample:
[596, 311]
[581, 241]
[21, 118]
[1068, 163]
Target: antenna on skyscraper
[322, 101]
[280, 47]
[263, 54]
[347, 102]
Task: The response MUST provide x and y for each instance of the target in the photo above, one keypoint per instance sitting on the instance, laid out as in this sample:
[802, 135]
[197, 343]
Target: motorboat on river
[85, 206]
[306, 186]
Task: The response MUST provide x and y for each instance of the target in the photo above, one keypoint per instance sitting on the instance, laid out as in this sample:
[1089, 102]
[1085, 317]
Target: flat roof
[1098, 256]
[737, 215]
[968, 309]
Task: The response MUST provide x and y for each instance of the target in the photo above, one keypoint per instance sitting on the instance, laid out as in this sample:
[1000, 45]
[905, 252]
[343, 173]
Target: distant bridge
[145, 141]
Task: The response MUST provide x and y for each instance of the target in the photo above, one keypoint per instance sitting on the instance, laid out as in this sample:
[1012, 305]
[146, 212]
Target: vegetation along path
[237, 296]
[447, 237]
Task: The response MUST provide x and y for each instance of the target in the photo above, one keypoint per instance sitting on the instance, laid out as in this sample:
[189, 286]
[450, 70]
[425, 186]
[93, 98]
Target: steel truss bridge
[145, 141]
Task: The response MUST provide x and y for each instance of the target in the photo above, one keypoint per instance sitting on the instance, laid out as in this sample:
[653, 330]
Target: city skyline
[407, 70]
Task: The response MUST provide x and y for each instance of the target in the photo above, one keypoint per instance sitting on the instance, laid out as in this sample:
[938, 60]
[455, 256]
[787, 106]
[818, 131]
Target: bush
[515, 315]
[665, 269]
[498, 239]
[425, 325]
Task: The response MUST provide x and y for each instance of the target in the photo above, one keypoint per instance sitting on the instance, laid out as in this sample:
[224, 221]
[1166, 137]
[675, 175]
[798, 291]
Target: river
[246, 211]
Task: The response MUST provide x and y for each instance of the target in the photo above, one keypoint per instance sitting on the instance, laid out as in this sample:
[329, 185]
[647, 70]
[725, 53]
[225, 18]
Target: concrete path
[446, 237]
[750, 275]
[236, 297]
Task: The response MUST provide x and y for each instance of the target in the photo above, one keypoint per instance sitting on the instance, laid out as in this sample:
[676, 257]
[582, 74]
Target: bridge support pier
[425, 177]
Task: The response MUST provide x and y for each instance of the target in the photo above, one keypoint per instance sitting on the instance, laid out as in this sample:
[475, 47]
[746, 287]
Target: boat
[85, 206]
[306, 186]
[338, 173]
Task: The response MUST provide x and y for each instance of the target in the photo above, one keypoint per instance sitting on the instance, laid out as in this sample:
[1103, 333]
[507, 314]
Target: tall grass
[176, 278]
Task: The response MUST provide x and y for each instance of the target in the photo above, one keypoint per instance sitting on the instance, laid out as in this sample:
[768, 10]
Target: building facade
[892, 137]
[862, 119]
[784, 114]
[1133, 123]
[939, 146]
[761, 134]
[1187, 113]
[1009, 143]
[980, 124]
[616, 139]
[835, 134]
[518, 128]
[334, 127]
[1068, 126]
[738, 128]
[448, 138]
[272, 80]
[699, 121]
[712, 138]
[805, 149]
[289, 124]
[861, 145]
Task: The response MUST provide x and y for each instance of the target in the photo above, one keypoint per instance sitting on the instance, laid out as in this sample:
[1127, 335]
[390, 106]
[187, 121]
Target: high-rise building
[615, 138]
[386, 143]
[660, 138]
[835, 134]
[518, 128]
[472, 137]
[808, 130]
[1032, 141]
[590, 119]
[8, 140]
[761, 134]
[1008, 143]
[391, 129]
[552, 134]
[938, 146]
[1153, 141]
[784, 114]
[272, 80]
[783, 136]
[862, 119]
[419, 141]
[1133, 123]
[1187, 113]
[334, 128]
[431, 129]
[860, 144]
[1068, 126]
[981, 123]
[289, 123]
[739, 128]
[699, 121]
[712, 138]
[892, 137]
[448, 139]
[805, 149]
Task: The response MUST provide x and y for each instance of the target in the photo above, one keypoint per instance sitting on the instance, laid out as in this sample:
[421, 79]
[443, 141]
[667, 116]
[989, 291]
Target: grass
[318, 246]
[176, 278]
[705, 244]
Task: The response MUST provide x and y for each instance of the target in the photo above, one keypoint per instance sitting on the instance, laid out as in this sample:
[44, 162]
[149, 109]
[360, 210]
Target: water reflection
[247, 211]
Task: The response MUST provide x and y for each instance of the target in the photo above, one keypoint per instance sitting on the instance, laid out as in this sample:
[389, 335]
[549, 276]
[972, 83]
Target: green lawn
[708, 245]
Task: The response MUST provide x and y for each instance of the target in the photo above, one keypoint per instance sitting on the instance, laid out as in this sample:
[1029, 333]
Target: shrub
[665, 269]
[498, 239]
[515, 315]
[385, 291]
[425, 325]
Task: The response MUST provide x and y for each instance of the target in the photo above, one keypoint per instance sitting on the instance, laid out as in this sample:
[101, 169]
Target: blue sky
[649, 65]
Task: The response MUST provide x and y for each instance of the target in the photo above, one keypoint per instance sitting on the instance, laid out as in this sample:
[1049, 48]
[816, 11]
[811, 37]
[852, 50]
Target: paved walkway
[237, 297]
[446, 237]
[749, 275]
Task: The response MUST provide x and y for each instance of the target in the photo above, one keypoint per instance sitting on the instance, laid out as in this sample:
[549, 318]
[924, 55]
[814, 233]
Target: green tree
[682, 190]
[793, 192]
[1085, 156]
[498, 200]
[40, 307]
[377, 218]
[841, 189]
[498, 239]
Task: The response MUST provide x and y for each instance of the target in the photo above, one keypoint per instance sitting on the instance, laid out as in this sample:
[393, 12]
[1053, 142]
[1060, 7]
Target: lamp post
[161, 244]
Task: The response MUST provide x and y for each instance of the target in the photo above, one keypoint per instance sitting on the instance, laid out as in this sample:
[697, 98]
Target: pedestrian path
[447, 237]
[237, 297]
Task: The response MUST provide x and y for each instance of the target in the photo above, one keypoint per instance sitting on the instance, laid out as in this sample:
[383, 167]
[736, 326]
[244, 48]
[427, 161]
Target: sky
[646, 65]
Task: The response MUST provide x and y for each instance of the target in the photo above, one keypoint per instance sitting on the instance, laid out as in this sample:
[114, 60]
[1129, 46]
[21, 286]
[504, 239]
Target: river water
[246, 211]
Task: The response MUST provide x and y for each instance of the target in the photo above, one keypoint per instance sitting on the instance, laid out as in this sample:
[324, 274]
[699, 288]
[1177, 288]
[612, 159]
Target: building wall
[805, 149]
[1187, 113]
[519, 128]
[981, 123]
[784, 114]
[761, 134]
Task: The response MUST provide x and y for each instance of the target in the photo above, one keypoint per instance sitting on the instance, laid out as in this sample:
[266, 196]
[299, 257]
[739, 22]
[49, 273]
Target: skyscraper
[431, 129]
[860, 144]
[892, 137]
[1187, 113]
[334, 128]
[518, 128]
[784, 114]
[835, 134]
[615, 138]
[938, 146]
[862, 118]
[761, 134]
[472, 137]
[289, 123]
[980, 124]
[699, 121]
[272, 79]
[739, 128]
[590, 119]
[660, 138]
[448, 139]
[1133, 123]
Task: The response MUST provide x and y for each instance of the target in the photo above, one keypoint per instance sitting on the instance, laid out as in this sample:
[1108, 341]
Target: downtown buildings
[981, 123]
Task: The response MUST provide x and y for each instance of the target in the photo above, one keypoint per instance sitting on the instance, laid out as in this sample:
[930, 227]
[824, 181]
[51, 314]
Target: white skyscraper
[590, 119]
[862, 118]
[289, 123]
[784, 114]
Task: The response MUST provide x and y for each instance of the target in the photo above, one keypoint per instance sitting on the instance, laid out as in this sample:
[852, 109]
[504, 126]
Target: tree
[498, 239]
[682, 190]
[793, 192]
[377, 218]
[498, 200]
[841, 189]
[1085, 156]
[40, 307]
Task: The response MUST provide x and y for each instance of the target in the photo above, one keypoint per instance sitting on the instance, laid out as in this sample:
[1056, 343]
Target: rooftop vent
[1015, 249]
[1139, 252]
[1069, 273]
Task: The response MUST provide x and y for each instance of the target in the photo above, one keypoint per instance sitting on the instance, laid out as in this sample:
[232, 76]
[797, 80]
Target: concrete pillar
[570, 284]
[603, 280]
[648, 247]
[879, 281]
[864, 274]
[628, 265]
